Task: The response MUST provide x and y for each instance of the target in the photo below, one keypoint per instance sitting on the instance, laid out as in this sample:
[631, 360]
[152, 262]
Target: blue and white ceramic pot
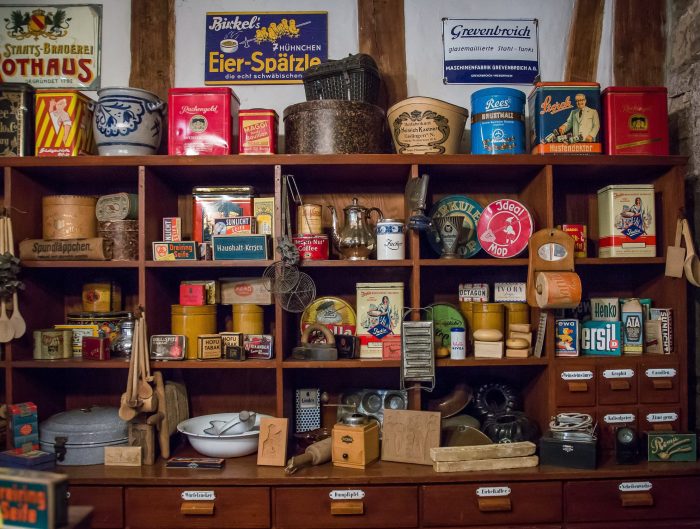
[127, 122]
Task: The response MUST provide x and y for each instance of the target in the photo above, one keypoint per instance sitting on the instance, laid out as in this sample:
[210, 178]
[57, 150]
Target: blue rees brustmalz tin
[498, 121]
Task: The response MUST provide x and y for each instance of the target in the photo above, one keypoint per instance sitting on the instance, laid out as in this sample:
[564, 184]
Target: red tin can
[636, 120]
[202, 121]
[578, 233]
[257, 131]
[311, 247]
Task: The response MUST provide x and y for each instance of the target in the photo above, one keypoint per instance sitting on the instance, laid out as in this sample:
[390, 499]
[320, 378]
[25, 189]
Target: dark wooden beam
[639, 42]
[381, 33]
[153, 46]
[584, 41]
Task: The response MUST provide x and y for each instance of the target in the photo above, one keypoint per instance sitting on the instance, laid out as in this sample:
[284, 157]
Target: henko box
[202, 121]
[564, 118]
[626, 221]
[636, 120]
[63, 123]
[379, 314]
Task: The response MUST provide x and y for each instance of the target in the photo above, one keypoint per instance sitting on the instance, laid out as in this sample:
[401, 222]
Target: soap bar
[488, 335]
[517, 343]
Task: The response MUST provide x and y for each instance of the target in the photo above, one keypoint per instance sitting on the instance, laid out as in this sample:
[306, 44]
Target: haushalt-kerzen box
[636, 120]
[202, 121]
[626, 221]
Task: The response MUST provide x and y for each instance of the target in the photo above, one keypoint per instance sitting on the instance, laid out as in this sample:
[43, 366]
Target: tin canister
[564, 118]
[488, 316]
[51, 344]
[457, 343]
[248, 319]
[515, 312]
[257, 131]
[626, 221]
[69, 217]
[311, 247]
[191, 321]
[636, 120]
[117, 206]
[124, 236]
[578, 233]
[466, 308]
[309, 220]
[102, 296]
[63, 123]
[16, 119]
[108, 323]
[390, 239]
[498, 121]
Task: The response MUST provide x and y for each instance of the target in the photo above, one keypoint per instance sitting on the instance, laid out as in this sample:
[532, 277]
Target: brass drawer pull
[662, 383]
[619, 385]
[349, 507]
[494, 504]
[578, 387]
[637, 499]
[197, 508]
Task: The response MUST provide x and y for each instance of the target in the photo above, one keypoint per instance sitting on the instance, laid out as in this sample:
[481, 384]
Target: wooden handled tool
[315, 454]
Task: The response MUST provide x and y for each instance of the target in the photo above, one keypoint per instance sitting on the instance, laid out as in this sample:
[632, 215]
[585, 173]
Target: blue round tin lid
[498, 91]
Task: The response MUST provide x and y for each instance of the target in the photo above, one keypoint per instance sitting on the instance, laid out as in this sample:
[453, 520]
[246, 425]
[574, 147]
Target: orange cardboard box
[63, 123]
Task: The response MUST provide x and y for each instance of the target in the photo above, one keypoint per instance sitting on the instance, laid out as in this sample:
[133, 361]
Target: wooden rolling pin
[315, 454]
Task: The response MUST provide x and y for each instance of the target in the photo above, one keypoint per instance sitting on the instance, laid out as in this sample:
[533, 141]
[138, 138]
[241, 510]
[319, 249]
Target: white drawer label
[347, 494]
[576, 375]
[198, 495]
[662, 417]
[634, 486]
[483, 492]
[661, 373]
[617, 418]
[618, 373]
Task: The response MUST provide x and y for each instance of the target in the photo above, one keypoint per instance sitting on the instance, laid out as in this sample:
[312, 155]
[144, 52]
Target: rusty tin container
[69, 217]
[124, 236]
[16, 119]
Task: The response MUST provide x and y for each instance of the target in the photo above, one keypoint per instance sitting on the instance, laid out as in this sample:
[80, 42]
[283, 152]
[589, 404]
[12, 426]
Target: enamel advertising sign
[51, 46]
[481, 51]
[263, 48]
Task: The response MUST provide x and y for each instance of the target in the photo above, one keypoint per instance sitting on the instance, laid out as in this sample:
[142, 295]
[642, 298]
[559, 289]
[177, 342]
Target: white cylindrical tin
[390, 240]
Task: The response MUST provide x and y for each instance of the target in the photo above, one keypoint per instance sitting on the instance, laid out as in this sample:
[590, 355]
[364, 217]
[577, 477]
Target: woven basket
[355, 78]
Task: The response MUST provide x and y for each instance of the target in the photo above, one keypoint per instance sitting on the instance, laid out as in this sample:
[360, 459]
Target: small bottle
[457, 343]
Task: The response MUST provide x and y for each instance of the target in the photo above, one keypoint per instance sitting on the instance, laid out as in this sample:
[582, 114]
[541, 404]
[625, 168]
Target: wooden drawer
[612, 417]
[672, 524]
[468, 505]
[311, 507]
[660, 418]
[156, 507]
[617, 385]
[107, 504]
[575, 384]
[594, 501]
[659, 382]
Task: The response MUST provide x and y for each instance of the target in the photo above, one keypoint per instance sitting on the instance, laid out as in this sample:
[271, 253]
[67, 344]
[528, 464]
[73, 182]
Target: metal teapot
[356, 240]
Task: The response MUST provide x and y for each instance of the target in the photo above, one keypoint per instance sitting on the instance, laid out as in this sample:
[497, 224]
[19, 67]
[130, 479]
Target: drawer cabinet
[312, 507]
[610, 418]
[617, 385]
[660, 418]
[575, 385]
[622, 500]
[165, 507]
[106, 502]
[470, 505]
[673, 524]
[659, 382]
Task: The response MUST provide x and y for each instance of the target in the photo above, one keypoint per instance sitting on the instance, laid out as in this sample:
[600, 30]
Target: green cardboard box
[672, 446]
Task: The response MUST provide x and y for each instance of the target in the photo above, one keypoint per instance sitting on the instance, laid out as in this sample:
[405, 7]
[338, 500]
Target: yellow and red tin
[636, 120]
[564, 118]
[311, 247]
[332, 312]
[257, 132]
[63, 123]
[578, 233]
[202, 121]
[626, 221]
[102, 296]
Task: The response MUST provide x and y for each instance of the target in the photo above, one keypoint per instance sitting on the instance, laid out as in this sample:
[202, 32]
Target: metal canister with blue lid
[498, 121]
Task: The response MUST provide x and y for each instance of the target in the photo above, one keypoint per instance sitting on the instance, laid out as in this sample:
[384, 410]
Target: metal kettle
[355, 240]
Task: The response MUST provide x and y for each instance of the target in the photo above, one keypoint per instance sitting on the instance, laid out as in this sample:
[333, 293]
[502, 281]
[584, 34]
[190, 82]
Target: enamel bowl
[230, 444]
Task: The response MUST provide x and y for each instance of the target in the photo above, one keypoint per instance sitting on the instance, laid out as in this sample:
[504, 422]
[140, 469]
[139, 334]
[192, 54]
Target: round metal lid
[92, 425]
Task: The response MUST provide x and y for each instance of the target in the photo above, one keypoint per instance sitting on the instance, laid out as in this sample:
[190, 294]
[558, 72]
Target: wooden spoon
[692, 262]
[17, 321]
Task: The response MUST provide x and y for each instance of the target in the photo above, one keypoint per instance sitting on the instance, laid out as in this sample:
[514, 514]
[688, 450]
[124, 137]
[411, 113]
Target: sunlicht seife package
[626, 221]
[565, 118]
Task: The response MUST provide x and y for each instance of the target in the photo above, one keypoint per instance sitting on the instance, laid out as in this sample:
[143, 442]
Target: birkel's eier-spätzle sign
[51, 46]
[263, 48]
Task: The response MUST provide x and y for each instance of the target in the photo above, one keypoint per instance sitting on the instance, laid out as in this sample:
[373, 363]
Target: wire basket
[355, 78]
[299, 297]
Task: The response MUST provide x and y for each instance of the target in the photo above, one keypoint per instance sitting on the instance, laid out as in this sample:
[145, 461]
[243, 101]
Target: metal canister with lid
[309, 219]
[192, 321]
[248, 319]
[488, 316]
[390, 239]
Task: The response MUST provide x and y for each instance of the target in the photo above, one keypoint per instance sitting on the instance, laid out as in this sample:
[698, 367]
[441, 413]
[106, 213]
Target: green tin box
[240, 247]
[672, 446]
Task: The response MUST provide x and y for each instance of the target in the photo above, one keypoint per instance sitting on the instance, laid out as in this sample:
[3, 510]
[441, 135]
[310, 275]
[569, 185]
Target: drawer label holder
[354, 494]
[198, 495]
[634, 486]
[489, 492]
[618, 373]
[668, 372]
[662, 417]
[577, 375]
[618, 418]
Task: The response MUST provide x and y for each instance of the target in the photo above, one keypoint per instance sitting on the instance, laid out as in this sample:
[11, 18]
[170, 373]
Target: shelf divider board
[414, 392]
[280, 329]
[143, 237]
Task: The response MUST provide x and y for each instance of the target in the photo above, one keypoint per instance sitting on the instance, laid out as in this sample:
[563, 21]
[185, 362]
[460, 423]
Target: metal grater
[418, 355]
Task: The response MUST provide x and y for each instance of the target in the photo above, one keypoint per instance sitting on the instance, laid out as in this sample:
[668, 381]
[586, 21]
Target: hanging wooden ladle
[692, 262]
[16, 320]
